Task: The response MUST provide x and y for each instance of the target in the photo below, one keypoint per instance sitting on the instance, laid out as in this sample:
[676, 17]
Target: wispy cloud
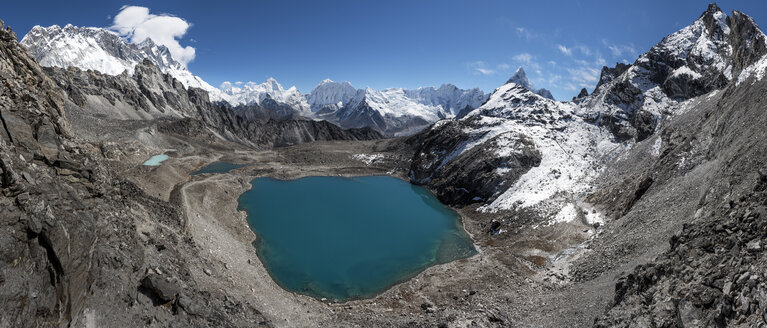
[523, 58]
[584, 49]
[485, 71]
[480, 67]
[619, 50]
[565, 50]
[525, 33]
[584, 75]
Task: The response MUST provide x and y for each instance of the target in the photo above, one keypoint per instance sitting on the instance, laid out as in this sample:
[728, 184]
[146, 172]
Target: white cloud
[564, 50]
[504, 67]
[137, 24]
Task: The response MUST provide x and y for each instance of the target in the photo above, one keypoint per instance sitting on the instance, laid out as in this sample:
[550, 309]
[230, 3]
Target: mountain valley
[641, 203]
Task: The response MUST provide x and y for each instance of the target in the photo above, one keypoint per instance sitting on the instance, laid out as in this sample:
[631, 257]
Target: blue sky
[381, 44]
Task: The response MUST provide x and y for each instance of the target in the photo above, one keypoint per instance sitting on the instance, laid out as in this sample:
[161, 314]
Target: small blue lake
[219, 167]
[350, 238]
[156, 160]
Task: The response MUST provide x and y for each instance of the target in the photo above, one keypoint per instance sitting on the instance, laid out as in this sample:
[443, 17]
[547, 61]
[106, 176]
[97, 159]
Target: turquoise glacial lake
[350, 238]
[156, 160]
[218, 167]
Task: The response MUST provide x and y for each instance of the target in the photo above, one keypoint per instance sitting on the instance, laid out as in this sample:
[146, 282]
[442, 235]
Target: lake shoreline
[210, 204]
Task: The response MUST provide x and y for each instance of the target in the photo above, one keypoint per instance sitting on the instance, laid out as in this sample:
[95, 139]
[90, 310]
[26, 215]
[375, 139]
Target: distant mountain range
[391, 111]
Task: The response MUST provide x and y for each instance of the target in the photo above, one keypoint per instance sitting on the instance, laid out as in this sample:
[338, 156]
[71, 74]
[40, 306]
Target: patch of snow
[566, 214]
[756, 70]
[684, 70]
[593, 217]
[655, 150]
[367, 158]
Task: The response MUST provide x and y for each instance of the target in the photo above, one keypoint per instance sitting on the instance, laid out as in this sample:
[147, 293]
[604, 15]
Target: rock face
[700, 58]
[70, 247]
[517, 149]
[147, 93]
[473, 175]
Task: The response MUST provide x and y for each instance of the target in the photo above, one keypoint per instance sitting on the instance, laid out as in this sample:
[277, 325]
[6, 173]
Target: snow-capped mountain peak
[255, 93]
[520, 78]
[100, 49]
[329, 92]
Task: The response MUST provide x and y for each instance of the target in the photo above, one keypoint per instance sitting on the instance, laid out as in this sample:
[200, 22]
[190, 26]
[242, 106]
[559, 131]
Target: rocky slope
[710, 163]
[78, 241]
[149, 94]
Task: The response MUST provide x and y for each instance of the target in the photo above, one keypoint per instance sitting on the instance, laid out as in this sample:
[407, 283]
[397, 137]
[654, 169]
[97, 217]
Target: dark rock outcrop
[583, 94]
[475, 175]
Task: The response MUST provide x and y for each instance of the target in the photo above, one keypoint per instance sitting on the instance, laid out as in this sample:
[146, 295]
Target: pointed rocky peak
[520, 77]
[545, 93]
[583, 94]
[8, 34]
[712, 10]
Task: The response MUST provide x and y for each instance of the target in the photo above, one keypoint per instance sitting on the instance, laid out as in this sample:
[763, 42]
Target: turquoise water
[218, 167]
[350, 238]
[156, 160]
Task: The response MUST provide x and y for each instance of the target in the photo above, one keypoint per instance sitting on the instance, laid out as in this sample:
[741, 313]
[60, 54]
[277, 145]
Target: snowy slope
[329, 92]
[575, 139]
[99, 49]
